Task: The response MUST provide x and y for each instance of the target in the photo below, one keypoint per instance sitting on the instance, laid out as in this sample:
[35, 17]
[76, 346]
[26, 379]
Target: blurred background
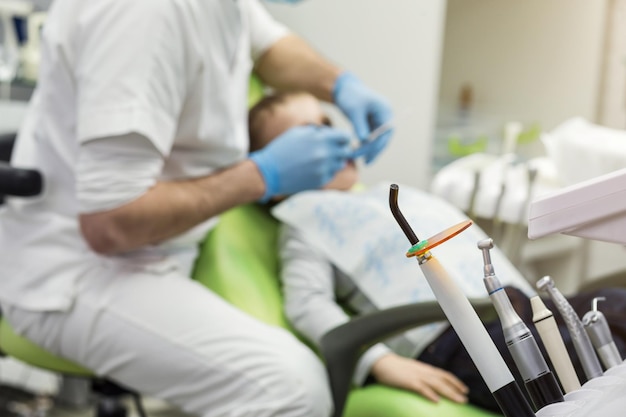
[478, 88]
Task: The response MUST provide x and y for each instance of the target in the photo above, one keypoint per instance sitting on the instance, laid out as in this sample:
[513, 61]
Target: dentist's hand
[302, 158]
[366, 111]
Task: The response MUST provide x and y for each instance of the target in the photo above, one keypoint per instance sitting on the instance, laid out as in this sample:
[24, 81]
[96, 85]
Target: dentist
[138, 124]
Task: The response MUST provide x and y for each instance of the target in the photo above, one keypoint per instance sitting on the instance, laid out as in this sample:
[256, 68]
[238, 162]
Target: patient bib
[359, 235]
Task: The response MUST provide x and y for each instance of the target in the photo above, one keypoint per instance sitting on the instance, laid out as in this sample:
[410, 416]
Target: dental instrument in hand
[363, 146]
[463, 317]
[598, 330]
[584, 349]
[553, 342]
[538, 379]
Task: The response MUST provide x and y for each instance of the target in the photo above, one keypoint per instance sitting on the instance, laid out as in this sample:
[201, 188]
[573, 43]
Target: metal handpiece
[598, 330]
[538, 379]
[582, 344]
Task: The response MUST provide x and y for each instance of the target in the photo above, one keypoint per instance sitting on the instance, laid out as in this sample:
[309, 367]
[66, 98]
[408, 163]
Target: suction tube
[468, 326]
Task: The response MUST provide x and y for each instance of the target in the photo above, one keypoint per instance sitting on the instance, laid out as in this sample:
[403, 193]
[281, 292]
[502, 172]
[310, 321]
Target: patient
[342, 254]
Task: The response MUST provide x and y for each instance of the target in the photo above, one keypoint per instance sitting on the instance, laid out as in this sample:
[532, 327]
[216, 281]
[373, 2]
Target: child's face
[304, 109]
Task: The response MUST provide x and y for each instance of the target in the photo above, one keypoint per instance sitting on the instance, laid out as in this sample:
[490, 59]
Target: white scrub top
[173, 71]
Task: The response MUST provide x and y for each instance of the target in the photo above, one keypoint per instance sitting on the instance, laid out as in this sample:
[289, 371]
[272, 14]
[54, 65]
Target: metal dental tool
[553, 342]
[539, 380]
[598, 330]
[582, 344]
[463, 317]
[371, 138]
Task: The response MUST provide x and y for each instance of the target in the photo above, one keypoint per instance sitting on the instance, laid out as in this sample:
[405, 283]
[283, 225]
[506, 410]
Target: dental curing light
[463, 318]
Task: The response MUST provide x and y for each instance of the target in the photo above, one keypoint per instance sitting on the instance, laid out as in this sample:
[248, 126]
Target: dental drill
[588, 358]
[598, 330]
[553, 342]
[538, 379]
[463, 318]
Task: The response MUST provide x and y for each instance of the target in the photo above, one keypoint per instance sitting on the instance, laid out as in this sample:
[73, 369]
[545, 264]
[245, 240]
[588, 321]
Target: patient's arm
[310, 305]
[309, 293]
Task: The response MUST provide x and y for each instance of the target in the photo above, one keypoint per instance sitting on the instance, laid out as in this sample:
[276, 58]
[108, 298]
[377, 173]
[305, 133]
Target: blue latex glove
[366, 110]
[302, 158]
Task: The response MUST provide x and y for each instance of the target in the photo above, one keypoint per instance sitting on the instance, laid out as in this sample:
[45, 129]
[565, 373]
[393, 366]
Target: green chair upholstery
[239, 262]
[26, 351]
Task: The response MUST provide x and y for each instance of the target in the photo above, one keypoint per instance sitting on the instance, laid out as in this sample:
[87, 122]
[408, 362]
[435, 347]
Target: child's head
[275, 114]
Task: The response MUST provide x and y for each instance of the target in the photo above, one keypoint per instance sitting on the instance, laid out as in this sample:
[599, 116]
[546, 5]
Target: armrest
[342, 346]
[19, 181]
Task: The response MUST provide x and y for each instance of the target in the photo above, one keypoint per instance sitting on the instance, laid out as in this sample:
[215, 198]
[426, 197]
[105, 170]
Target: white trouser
[169, 337]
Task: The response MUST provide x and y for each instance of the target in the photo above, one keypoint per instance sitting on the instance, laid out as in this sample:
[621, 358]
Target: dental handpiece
[598, 330]
[584, 349]
[553, 342]
[538, 379]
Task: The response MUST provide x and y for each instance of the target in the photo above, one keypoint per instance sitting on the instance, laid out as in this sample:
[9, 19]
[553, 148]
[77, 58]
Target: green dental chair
[238, 261]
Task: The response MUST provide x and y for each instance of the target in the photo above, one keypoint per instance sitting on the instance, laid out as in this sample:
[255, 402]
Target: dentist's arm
[291, 64]
[302, 158]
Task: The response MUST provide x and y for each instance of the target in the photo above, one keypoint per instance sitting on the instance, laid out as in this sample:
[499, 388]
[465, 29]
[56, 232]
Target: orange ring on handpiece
[420, 248]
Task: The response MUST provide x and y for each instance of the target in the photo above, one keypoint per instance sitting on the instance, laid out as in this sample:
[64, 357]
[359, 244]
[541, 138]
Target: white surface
[604, 396]
[594, 209]
[11, 115]
[582, 150]
[394, 47]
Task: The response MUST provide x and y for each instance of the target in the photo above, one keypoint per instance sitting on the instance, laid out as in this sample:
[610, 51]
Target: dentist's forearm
[291, 64]
[171, 208]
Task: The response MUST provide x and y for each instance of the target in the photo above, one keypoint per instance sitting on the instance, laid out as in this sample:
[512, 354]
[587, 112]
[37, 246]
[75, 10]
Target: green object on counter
[458, 147]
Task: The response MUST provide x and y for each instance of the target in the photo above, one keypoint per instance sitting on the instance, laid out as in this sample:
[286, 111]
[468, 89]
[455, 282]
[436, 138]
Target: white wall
[394, 46]
[531, 60]
[612, 109]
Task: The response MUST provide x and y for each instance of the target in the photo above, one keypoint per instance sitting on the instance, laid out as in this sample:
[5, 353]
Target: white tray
[593, 209]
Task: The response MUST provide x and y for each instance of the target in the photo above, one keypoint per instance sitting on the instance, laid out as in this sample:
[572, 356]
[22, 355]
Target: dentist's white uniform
[132, 92]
